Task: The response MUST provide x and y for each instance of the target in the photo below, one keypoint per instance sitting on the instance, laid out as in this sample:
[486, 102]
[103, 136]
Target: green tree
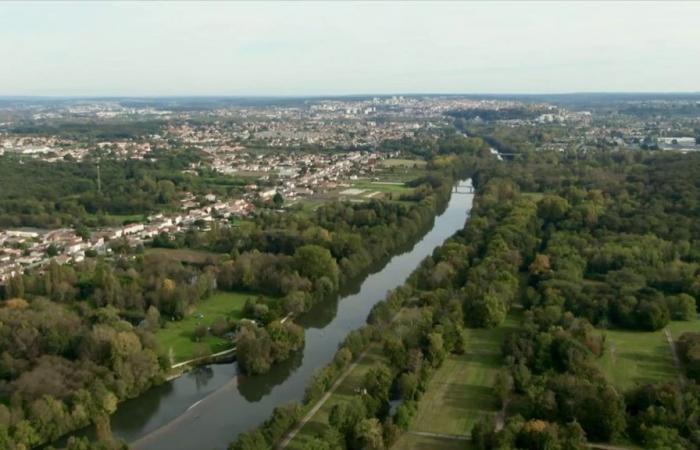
[315, 262]
[369, 434]
[278, 200]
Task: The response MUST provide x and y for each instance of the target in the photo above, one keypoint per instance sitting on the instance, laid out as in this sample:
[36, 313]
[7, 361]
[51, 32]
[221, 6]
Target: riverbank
[216, 423]
[207, 405]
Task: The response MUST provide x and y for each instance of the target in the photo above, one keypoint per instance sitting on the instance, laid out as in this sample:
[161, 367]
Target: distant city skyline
[296, 49]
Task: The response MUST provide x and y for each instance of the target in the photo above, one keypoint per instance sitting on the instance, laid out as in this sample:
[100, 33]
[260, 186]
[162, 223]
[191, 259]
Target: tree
[540, 265]
[316, 262]
[369, 434]
[295, 302]
[253, 346]
[659, 437]
[152, 318]
[51, 250]
[278, 200]
[200, 332]
[377, 382]
[503, 385]
[552, 208]
[408, 385]
[14, 287]
[345, 416]
[682, 307]
[251, 440]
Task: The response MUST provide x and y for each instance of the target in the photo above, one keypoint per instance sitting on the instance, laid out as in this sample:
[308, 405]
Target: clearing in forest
[179, 335]
[637, 357]
[461, 391]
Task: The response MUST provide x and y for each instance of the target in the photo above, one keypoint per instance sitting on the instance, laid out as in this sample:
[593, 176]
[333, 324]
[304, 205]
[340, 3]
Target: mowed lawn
[409, 441]
[178, 335]
[398, 162]
[185, 255]
[319, 422]
[392, 187]
[461, 391]
[638, 357]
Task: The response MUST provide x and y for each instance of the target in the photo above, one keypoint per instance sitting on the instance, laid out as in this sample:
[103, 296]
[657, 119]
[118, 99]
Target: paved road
[606, 446]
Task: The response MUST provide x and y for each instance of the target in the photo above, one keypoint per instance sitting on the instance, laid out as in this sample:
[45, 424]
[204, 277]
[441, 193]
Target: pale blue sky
[320, 48]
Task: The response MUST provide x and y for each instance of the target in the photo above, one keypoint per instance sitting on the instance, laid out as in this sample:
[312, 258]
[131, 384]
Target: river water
[208, 407]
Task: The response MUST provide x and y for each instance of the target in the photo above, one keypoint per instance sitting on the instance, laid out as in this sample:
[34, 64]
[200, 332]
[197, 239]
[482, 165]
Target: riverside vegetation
[583, 243]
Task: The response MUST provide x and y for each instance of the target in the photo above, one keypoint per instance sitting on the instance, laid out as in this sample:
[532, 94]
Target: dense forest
[90, 131]
[42, 194]
[581, 245]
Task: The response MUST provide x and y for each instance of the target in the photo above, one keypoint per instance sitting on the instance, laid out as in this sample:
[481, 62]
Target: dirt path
[454, 437]
[501, 417]
[676, 358]
[321, 402]
[285, 442]
[606, 446]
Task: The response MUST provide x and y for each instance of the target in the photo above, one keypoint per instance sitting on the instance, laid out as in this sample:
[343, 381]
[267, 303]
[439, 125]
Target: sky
[341, 48]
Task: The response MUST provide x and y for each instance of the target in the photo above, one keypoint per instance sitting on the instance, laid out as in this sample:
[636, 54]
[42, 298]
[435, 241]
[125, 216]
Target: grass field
[344, 393]
[366, 191]
[178, 335]
[398, 162]
[634, 357]
[409, 441]
[461, 393]
[390, 187]
[185, 255]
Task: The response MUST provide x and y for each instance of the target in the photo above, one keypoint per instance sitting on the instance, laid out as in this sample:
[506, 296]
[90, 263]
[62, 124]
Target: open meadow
[461, 391]
[186, 255]
[636, 357]
[179, 335]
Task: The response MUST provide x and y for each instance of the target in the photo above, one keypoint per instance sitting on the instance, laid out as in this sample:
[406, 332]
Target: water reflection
[254, 388]
[201, 376]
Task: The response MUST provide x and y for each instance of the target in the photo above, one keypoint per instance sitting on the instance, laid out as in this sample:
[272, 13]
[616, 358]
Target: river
[209, 406]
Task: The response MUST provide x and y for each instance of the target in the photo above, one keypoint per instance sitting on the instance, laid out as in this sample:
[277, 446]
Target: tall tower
[99, 179]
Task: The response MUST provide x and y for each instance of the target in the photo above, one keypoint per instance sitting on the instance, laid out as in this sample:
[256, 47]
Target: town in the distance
[286, 155]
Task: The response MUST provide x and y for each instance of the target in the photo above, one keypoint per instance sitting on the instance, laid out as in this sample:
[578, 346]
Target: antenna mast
[99, 179]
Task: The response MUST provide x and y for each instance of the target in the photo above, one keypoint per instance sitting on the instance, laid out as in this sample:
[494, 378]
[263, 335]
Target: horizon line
[339, 95]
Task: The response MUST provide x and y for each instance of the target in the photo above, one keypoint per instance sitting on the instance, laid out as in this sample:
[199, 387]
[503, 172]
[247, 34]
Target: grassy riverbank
[179, 335]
